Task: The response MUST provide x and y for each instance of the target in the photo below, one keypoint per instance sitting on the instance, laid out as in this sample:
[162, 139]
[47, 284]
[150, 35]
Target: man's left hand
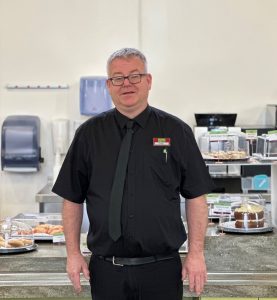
[194, 269]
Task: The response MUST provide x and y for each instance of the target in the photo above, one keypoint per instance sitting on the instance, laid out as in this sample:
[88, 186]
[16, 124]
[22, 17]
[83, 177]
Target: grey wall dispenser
[20, 144]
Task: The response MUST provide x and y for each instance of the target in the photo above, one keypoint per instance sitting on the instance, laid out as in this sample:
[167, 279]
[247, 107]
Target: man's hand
[194, 269]
[76, 264]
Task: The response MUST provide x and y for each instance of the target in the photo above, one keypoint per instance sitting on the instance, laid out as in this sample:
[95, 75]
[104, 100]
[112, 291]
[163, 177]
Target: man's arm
[194, 267]
[72, 221]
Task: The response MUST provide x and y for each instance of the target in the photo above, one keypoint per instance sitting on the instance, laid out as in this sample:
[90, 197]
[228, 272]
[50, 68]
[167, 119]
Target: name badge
[164, 142]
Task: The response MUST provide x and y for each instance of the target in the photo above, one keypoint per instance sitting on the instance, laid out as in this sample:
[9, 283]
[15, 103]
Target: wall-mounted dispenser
[94, 95]
[60, 134]
[20, 144]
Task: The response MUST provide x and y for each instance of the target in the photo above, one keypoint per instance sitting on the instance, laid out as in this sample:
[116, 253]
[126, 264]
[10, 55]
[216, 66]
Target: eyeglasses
[133, 78]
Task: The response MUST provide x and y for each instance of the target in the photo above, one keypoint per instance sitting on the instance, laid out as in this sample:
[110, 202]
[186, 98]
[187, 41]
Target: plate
[230, 227]
[209, 158]
[37, 236]
[42, 237]
[18, 249]
[264, 158]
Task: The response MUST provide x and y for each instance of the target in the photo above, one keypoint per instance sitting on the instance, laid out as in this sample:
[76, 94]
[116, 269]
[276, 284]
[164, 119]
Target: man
[137, 259]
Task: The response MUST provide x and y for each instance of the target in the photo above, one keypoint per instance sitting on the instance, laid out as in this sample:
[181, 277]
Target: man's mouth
[127, 93]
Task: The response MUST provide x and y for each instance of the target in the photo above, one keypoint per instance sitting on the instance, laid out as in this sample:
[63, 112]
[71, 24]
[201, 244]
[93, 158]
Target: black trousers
[160, 280]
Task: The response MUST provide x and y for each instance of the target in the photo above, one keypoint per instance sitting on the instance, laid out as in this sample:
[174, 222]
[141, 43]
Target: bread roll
[27, 242]
[16, 243]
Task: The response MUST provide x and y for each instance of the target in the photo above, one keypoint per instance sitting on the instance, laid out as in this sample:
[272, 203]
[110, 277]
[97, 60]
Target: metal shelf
[47, 196]
[37, 86]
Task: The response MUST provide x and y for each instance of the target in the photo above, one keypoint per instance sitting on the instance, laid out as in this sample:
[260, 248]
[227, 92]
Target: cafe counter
[238, 266]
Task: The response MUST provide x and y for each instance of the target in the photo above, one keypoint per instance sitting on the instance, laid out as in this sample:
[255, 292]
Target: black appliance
[215, 119]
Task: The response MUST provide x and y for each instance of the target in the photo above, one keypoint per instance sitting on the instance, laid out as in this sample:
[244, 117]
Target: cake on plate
[249, 216]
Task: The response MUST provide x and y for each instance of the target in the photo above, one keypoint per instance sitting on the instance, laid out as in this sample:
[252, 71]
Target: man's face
[129, 97]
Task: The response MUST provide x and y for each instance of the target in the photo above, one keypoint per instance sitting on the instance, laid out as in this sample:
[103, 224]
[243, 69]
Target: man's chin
[129, 103]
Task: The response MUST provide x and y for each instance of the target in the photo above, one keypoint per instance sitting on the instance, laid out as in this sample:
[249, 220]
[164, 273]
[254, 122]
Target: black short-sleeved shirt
[164, 162]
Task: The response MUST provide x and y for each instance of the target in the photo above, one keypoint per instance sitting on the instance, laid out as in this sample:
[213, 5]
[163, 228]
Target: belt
[135, 261]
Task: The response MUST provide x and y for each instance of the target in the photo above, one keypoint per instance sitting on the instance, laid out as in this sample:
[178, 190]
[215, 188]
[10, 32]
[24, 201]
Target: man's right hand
[76, 264]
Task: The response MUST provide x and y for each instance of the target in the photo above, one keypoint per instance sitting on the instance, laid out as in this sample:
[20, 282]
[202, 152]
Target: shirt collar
[141, 119]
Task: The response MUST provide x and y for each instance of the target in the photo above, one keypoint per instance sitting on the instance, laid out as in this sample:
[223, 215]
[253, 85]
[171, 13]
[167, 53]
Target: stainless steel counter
[45, 285]
[238, 266]
[48, 201]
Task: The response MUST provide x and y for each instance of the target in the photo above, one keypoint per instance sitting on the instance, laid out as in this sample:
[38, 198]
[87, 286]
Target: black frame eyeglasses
[132, 78]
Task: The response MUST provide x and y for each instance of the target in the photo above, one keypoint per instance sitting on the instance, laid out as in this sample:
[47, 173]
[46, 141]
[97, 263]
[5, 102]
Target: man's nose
[126, 81]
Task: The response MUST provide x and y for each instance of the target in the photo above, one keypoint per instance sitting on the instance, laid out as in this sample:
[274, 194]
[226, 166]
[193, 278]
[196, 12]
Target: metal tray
[18, 250]
[38, 236]
[213, 159]
[42, 237]
[264, 158]
[230, 227]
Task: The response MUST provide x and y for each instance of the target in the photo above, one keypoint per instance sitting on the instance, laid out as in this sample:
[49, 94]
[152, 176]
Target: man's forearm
[72, 221]
[197, 219]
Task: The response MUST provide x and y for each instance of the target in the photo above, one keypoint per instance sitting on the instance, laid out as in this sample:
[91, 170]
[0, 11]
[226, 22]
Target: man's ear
[149, 80]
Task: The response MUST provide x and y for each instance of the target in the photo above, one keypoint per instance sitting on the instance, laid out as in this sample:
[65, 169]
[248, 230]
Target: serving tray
[18, 249]
[264, 158]
[230, 227]
[213, 159]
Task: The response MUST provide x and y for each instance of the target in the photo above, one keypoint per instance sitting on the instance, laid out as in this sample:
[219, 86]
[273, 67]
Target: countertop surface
[238, 265]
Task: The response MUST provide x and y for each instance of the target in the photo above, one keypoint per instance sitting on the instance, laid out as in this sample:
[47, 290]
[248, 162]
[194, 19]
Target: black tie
[118, 184]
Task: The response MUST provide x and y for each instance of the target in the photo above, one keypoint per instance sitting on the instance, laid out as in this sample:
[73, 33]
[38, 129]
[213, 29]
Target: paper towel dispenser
[20, 144]
[94, 95]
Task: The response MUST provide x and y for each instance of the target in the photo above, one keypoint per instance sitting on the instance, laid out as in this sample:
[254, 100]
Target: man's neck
[132, 113]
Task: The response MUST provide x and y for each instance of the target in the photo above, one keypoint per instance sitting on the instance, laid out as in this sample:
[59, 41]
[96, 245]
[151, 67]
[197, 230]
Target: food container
[248, 215]
[217, 145]
[225, 204]
[267, 146]
[15, 237]
[44, 225]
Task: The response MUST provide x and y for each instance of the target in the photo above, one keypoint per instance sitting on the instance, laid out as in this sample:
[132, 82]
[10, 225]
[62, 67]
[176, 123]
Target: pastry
[16, 243]
[227, 155]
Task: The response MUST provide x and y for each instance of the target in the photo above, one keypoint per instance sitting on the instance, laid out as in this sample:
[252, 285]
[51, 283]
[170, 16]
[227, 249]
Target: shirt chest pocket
[160, 166]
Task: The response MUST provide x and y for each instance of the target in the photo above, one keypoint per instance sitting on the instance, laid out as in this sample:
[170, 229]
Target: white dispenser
[60, 133]
[94, 95]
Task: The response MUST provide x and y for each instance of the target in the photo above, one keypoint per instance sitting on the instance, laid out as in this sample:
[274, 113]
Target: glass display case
[43, 225]
[15, 237]
[240, 213]
[267, 146]
[220, 145]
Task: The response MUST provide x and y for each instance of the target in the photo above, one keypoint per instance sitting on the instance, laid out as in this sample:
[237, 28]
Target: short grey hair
[127, 53]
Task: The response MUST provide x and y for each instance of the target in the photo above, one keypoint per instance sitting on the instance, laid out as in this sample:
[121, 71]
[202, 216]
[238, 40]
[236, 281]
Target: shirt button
[131, 216]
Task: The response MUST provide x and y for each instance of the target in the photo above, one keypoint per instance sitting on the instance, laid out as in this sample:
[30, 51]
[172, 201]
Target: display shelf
[273, 171]
[253, 162]
[223, 176]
